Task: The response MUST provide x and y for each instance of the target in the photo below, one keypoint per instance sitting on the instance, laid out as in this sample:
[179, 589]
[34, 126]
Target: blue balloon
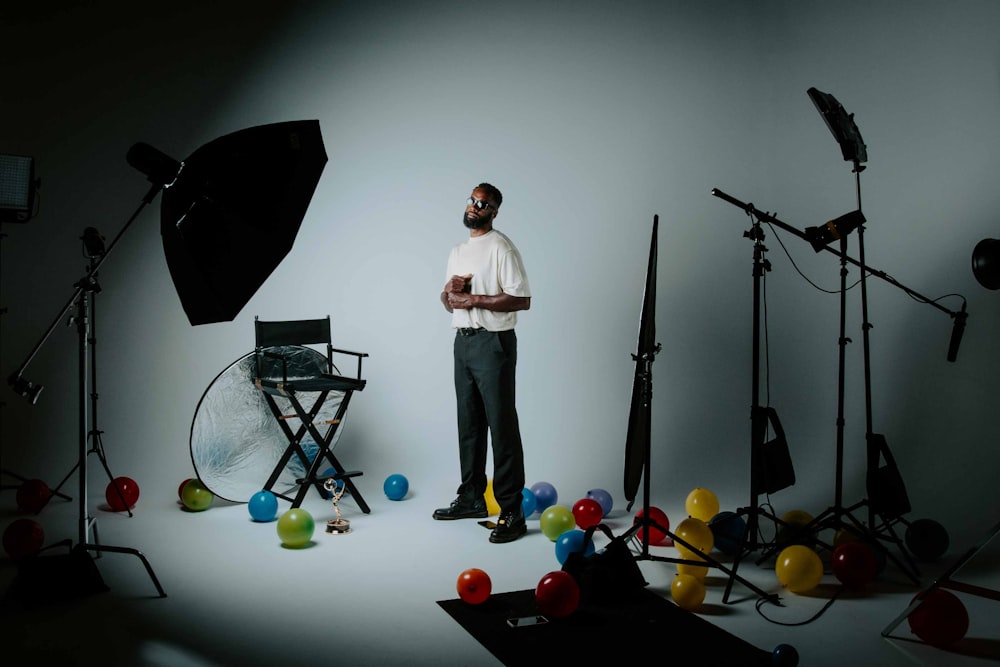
[528, 501]
[603, 499]
[545, 495]
[396, 486]
[727, 529]
[572, 541]
[784, 655]
[263, 506]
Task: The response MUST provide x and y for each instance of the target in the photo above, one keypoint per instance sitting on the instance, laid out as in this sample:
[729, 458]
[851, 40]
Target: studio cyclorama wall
[591, 117]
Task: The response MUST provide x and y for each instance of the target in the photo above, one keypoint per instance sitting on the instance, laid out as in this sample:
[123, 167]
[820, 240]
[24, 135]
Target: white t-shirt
[496, 267]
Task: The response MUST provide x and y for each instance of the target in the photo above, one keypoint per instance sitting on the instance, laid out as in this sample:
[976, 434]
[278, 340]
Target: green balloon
[195, 496]
[556, 520]
[295, 528]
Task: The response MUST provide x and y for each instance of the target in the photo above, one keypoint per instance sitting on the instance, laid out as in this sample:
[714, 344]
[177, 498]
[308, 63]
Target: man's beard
[474, 223]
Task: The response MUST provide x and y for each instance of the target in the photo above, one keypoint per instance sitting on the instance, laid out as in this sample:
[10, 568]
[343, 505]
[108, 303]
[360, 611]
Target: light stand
[838, 516]
[768, 473]
[94, 250]
[637, 445]
[884, 502]
[81, 300]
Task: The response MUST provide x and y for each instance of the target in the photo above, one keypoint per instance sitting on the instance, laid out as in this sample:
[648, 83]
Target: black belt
[470, 331]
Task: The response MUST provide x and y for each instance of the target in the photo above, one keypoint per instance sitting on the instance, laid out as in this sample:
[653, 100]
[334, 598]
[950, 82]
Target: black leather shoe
[463, 508]
[510, 527]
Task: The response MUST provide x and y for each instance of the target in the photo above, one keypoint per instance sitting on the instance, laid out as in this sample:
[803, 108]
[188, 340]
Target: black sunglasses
[479, 204]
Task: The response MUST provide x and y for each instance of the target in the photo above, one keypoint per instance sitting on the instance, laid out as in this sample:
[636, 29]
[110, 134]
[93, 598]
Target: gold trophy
[340, 525]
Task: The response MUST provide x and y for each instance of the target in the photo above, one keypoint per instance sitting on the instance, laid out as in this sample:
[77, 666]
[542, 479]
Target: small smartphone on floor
[527, 621]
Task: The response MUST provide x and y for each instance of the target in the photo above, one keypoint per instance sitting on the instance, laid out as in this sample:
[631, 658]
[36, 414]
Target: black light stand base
[647, 524]
[127, 550]
[51, 579]
[871, 534]
[749, 543]
[44, 580]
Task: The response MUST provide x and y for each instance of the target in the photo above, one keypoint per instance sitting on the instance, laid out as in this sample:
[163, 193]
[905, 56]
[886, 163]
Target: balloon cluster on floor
[295, 527]
[557, 593]
[708, 534]
[801, 562]
[857, 559]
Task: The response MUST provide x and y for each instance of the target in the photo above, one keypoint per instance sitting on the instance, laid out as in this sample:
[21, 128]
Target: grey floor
[235, 596]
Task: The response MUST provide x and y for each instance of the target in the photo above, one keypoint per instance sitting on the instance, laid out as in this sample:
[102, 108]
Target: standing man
[486, 286]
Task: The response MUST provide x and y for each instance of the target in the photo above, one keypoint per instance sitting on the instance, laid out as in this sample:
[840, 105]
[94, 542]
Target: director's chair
[278, 376]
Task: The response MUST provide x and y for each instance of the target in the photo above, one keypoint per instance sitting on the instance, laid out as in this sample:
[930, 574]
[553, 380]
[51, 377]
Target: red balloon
[23, 537]
[557, 594]
[587, 512]
[129, 493]
[656, 536]
[474, 586]
[940, 619]
[33, 495]
[854, 564]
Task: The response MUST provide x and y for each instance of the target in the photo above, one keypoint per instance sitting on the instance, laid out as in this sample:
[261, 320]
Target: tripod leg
[99, 450]
[135, 552]
[742, 550]
[56, 491]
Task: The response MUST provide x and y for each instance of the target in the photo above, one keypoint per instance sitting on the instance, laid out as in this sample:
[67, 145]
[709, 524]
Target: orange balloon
[474, 586]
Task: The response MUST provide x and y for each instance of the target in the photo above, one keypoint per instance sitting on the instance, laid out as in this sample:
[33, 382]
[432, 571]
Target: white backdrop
[592, 117]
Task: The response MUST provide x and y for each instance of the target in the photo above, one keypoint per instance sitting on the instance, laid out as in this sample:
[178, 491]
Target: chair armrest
[359, 355]
[356, 354]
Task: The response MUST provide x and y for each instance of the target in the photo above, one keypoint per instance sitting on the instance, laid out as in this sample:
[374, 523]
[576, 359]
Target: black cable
[812, 618]
[799, 271]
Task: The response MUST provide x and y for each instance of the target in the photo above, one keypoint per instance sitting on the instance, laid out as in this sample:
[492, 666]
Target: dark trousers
[484, 389]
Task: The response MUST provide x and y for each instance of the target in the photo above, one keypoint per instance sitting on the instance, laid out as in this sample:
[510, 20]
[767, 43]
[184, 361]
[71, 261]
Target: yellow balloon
[696, 533]
[687, 591]
[492, 507]
[797, 517]
[793, 531]
[696, 571]
[799, 568]
[687, 554]
[702, 504]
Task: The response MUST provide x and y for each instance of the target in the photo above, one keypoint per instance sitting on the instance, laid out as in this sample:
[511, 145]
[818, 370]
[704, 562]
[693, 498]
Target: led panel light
[17, 191]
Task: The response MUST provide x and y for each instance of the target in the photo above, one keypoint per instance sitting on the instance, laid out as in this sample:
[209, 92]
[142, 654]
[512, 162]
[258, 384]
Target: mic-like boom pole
[842, 226]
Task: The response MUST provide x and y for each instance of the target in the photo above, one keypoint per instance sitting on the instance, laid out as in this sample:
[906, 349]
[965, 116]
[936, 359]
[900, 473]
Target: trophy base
[338, 526]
